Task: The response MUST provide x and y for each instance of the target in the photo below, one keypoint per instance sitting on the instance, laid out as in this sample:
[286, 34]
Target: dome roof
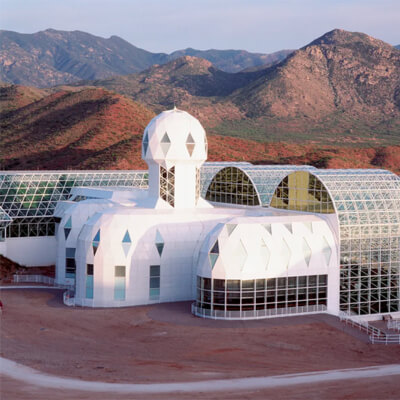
[174, 135]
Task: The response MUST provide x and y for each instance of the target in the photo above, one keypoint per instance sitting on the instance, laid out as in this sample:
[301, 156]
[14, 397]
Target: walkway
[28, 375]
[30, 287]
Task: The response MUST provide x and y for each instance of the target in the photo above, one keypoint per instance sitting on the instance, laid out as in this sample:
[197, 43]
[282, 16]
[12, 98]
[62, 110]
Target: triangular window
[214, 253]
[67, 228]
[96, 242]
[126, 243]
[213, 259]
[159, 243]
[268, 228]
[230, 228]
[127, 238]
[289, 227]
[215, 248]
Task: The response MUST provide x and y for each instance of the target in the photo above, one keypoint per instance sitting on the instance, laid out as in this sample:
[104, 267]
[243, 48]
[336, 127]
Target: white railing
[68, 295]
[393, 324]
[375, 335]
[34, 279]
[256, 314]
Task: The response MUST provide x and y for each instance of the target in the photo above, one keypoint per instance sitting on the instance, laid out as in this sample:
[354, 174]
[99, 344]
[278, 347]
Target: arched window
[231, 185]
[302, 191]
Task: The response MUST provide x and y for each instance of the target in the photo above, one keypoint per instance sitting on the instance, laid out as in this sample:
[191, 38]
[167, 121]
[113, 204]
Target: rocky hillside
[233, 60]
[92, 128]
[52, 57]
[340, 71]
[342, 87]
[86, 128]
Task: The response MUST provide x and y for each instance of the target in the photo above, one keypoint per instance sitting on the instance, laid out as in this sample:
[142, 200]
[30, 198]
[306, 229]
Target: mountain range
[333, 103]
[343, 86]
[53, 57]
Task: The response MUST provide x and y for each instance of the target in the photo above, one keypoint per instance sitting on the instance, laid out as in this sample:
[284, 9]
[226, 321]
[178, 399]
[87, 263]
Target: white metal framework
[367, 204]
[29, 198]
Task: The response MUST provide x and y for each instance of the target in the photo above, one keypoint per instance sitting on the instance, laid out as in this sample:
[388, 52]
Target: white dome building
[175, 147]
[238, 240]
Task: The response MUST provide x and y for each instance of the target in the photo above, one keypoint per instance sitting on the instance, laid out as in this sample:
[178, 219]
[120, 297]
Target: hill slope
[344, 86]
[52, 57]
[91, 128]
[72, 129]
[342, 78]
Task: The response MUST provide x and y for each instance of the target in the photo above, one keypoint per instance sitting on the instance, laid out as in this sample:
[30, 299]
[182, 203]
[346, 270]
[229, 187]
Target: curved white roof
[174, 135]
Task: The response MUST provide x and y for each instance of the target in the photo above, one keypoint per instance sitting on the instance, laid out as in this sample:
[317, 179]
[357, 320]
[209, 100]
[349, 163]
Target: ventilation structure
[167, 185]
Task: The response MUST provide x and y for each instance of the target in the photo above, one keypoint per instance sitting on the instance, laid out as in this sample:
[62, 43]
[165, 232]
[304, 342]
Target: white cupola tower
[174, 147]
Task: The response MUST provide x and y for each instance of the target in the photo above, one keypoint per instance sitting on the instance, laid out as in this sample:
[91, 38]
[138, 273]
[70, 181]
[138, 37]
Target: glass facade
[367, 204]
[29, 198]
[89, 281]
[232, 185]
[226, 187]
[70, 264]
[262, 294]
[119, 282]
[302, 191]
[167, 185]
[155, 282]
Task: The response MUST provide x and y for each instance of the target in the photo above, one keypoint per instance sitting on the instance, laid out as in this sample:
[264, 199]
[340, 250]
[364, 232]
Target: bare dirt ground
[165, 343]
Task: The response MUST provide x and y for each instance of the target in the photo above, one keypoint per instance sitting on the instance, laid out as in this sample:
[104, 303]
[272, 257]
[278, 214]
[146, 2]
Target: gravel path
[30, 376]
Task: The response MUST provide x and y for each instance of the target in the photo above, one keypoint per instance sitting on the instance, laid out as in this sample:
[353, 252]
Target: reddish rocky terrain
[92, 128]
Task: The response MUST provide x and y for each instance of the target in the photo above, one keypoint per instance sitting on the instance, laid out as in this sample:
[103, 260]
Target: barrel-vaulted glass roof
[33, 194]
[367, 205]
[363, 197]
[265, 178]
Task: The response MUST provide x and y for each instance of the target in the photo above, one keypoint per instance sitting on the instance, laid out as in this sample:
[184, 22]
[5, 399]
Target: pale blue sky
[167, 25]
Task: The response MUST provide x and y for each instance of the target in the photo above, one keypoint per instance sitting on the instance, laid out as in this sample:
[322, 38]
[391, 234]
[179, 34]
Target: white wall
[32, 251]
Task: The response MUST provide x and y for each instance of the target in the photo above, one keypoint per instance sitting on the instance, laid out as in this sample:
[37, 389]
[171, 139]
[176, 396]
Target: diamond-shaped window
[165, 143]
[126, 243]
[307, 252]
[327, 251]
[67, 228]
[190, 144]
[96, 242]
[145, 143]
[265, 253]
[214, 253]
[159, 243]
